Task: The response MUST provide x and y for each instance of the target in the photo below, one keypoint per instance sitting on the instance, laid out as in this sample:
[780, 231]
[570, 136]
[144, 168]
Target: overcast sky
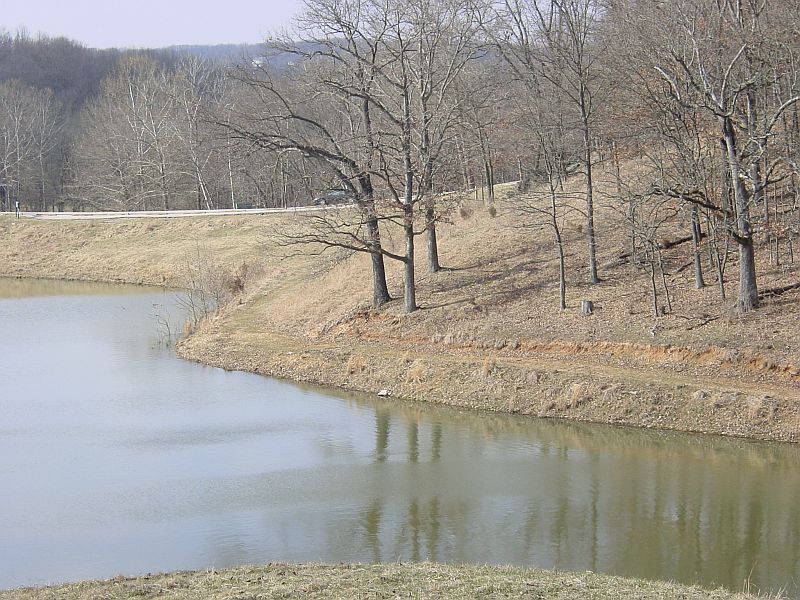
[149, 23]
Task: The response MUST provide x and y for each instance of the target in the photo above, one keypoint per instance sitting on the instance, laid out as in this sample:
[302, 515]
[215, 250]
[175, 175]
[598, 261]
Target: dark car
[330, 197]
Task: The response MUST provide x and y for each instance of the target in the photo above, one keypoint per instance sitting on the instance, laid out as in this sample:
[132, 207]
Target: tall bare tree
[557, 41]
[724, 59]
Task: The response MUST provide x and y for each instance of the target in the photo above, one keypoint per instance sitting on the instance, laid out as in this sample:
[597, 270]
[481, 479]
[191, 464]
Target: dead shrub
[356, 364]
[188, 328]
[609, 395]
[205, 290]
[416, 372]
[759, 410]
[489, 365]
[235, 282]
[465, 212]
[492, 211]
[576, 395]
[406, 359]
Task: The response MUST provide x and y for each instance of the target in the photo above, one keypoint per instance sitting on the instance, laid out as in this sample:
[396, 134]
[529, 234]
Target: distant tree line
[91, 129]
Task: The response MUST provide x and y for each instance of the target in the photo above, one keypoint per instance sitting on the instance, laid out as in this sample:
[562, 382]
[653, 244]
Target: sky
[149, 23]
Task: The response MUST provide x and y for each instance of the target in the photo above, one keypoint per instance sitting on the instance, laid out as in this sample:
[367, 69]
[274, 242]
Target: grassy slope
[423, 580]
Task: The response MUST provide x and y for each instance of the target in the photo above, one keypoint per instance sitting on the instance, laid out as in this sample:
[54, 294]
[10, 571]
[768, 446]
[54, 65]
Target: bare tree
[195, 86]
[543, 118]
[557, 42]
[718, 58]
[30, 124]
[445, 36]
[325, 112]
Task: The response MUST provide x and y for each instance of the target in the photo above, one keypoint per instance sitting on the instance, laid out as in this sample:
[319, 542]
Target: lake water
[116, 457]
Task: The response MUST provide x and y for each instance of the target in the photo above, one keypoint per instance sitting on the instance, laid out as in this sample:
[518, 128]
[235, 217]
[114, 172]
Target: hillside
[489, 334]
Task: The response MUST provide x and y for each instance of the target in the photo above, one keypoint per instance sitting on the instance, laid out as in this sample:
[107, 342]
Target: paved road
[169, 214]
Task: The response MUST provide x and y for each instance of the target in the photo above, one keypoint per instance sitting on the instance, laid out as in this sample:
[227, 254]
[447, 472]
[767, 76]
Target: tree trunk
[587, 149]
[653, 287]
[664, 279]
[426, 190]
[380, 291]
[562, 273]
[409, 284]
[433, 245]
[748, 288]
[42, 201]
[489, 176]
[562, 269]
[699, 283]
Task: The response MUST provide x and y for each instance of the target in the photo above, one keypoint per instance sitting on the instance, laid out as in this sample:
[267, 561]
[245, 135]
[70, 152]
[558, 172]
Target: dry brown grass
[356, 364]
[415, 580]
[488, 366]
[150, 251]
[416, 373]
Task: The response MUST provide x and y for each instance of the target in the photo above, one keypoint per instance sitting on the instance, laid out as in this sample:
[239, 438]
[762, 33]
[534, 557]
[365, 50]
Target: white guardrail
[170, 214]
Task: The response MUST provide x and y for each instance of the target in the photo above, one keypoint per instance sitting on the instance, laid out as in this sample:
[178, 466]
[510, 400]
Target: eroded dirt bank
[590, 387]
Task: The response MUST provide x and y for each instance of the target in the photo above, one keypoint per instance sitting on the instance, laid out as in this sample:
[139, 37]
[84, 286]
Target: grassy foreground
[421, 580]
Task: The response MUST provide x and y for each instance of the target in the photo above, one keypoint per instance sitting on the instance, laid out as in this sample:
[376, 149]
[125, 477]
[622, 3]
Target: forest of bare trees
[400, 101]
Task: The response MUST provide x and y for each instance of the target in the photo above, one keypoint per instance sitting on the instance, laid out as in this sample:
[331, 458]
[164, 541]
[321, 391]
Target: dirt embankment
[488, 336]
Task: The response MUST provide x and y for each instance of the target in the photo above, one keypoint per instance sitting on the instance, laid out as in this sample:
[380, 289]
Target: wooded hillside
[401, 102]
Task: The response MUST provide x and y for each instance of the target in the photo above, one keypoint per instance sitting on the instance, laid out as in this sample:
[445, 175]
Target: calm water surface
[116, 458]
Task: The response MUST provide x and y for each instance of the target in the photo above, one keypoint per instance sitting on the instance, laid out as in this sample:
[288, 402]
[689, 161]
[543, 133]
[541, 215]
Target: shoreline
[456, 360]
[304, 319]
[513, 382]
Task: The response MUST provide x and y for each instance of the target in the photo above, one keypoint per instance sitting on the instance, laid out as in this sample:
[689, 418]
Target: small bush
[416, 372]
[234, 282]
[465, 213]
[489, 365]
[356, 364]
[188, 328]
[204, 283]
[492, 212]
